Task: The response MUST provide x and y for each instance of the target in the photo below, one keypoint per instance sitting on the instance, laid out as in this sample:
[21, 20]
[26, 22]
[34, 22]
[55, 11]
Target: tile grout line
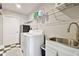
[8, 47]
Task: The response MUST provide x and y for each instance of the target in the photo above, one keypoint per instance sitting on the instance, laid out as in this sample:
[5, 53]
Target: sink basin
[60, 40]
[68, 42]
[63, 41]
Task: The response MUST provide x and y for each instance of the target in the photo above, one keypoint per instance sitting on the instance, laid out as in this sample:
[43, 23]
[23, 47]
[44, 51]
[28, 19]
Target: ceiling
[26, 8]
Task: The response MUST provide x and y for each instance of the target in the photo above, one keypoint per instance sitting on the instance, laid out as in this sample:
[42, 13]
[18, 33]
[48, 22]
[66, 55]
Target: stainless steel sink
[60, 40]
[68, 42]
[63, 41]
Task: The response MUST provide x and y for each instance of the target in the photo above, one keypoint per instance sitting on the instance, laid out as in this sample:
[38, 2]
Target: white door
[10, 30]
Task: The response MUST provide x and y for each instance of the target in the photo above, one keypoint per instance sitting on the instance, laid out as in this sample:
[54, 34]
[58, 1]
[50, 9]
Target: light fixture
[40, 13]
[18, 5]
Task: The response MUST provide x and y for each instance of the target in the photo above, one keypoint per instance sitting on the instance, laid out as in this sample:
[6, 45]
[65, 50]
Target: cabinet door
[51, 52]
[10, 30]
[65, 53]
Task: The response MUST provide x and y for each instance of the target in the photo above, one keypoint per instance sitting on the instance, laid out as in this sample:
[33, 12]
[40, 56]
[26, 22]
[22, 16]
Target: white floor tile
[13, 52]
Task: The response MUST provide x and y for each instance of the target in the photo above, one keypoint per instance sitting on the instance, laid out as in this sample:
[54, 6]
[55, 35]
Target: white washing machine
[32, 42]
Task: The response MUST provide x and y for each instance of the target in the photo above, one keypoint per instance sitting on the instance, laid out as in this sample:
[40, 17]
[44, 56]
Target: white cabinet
[58, 49]
[65, 53]
[50, 51]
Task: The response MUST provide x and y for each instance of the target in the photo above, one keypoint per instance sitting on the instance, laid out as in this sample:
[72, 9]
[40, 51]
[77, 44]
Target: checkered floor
[11, 50]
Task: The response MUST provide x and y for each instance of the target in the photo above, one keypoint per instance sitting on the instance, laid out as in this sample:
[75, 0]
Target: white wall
[56, 28]
[21, 17]
[1, 32]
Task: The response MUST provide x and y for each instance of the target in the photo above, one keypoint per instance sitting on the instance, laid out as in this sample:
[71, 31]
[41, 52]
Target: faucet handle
[75, 43]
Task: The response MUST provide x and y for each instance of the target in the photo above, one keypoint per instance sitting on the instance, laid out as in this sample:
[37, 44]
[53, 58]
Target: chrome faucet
[77, 33]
